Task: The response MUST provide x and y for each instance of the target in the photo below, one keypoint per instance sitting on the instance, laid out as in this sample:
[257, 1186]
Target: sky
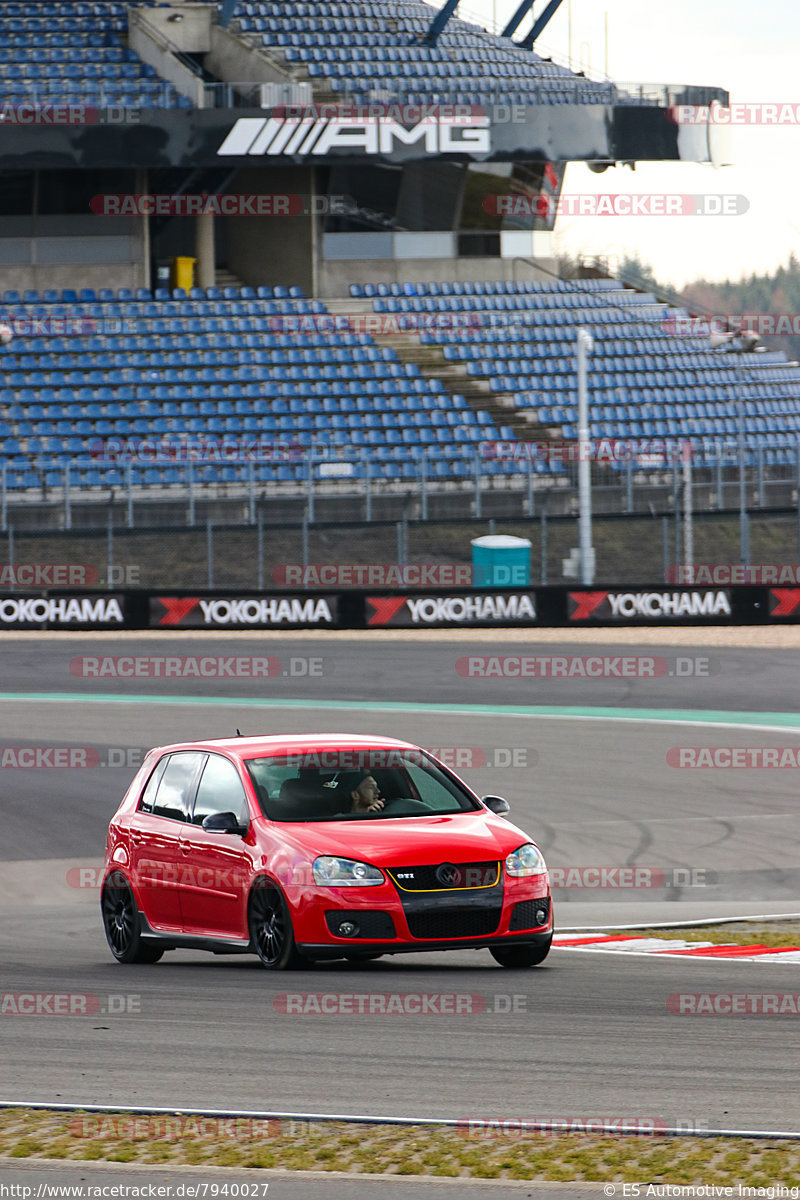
[752, 51]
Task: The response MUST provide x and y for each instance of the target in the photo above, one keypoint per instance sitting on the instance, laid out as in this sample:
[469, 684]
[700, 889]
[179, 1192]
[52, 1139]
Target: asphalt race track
[583, 1036]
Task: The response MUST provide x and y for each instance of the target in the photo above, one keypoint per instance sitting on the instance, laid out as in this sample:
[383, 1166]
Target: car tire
[121, 923]
[270, 927]
[529, 954]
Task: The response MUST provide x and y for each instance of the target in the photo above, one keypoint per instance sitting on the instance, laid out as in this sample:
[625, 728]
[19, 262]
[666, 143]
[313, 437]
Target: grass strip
[493, 1152]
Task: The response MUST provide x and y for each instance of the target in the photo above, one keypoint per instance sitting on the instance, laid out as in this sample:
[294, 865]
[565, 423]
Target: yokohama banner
[654, 607]
[94, 610]
[545, 607]
[466, 609]
[221, 611]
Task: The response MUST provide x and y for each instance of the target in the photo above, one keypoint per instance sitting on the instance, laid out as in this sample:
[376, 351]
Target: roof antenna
[238, 733]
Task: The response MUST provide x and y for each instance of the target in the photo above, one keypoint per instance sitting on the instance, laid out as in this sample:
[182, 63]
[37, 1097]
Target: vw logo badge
[447, 874]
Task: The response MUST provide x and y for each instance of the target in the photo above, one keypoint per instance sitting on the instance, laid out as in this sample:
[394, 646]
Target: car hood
[411, 841]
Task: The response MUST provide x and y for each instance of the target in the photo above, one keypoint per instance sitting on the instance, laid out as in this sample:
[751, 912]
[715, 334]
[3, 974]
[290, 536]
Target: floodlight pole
[688, 529]
[744, 526]
[584, 349]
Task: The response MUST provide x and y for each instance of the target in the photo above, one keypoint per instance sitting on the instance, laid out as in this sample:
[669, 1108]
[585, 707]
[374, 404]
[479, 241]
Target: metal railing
[246, 94]
[628, 476]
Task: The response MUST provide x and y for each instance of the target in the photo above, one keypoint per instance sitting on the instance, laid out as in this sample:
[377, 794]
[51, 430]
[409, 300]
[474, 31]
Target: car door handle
[186, 847]
[137, 838]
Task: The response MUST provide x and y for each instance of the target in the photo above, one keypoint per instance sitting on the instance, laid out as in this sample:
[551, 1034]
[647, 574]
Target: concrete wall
[272, 250]
[154, 38]
[71, 252]
[42, 279]
[232, 59]
[191, 34]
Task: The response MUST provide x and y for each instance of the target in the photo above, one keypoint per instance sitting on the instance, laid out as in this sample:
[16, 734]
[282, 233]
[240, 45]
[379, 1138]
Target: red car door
[216, 867]
[155, 830]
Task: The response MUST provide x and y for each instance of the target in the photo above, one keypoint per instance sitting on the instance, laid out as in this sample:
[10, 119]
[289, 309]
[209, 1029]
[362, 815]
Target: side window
[149, 794]
[174, 790]
[220, 790]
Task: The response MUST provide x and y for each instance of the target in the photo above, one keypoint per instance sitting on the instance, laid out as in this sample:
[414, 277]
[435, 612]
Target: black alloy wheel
[121, 923]
[270, 927]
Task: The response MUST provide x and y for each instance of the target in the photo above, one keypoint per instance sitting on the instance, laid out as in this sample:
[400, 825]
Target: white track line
[362, 1119]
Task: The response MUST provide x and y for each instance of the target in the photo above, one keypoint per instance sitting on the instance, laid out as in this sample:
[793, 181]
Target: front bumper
[537, 937]
[382, 921]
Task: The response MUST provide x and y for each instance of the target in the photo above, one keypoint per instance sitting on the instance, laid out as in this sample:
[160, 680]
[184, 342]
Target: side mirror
[497, 804]
[223, 822]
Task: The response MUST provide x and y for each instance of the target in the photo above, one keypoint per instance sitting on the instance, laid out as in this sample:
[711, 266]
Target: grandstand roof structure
[157, 86]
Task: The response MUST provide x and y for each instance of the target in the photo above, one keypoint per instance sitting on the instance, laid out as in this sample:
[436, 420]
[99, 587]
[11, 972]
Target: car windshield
[358, 784]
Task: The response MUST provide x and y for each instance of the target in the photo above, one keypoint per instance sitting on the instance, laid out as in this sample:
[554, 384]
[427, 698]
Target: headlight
[344, 872]
[526, 861]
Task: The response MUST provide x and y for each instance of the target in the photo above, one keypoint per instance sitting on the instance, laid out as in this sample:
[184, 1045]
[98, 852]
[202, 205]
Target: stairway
[477, 392]
[225, 278]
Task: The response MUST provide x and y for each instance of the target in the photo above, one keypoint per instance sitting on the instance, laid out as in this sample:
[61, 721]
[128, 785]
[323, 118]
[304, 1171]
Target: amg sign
[374, 135]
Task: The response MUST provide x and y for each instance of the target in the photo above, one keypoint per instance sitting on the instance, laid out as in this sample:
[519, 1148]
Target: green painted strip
[669, 716]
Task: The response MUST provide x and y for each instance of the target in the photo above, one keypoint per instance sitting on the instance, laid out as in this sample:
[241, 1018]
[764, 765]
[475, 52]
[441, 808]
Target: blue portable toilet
[499, 560]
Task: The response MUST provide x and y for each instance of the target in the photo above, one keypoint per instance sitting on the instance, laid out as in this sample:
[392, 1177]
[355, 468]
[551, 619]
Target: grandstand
[358, 52]
[55, 52]
[274, 340]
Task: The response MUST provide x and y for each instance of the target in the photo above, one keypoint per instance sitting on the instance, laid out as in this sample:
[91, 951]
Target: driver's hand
[377, 806]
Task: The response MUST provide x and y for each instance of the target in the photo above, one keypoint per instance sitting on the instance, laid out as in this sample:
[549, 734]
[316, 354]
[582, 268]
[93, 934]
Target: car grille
[371, 924]
[437, 924]
[524, 914]
[472, 875]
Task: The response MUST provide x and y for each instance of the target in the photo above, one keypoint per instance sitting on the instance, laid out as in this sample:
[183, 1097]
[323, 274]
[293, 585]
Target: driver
[361, 790]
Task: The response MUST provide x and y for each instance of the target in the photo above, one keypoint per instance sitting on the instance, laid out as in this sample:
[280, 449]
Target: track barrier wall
[544, 607]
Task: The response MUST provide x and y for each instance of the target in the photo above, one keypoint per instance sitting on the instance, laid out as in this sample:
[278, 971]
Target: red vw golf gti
[303, 848]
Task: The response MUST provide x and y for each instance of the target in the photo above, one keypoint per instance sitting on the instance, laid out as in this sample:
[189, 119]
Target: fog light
[541, 917]
[348, 928]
